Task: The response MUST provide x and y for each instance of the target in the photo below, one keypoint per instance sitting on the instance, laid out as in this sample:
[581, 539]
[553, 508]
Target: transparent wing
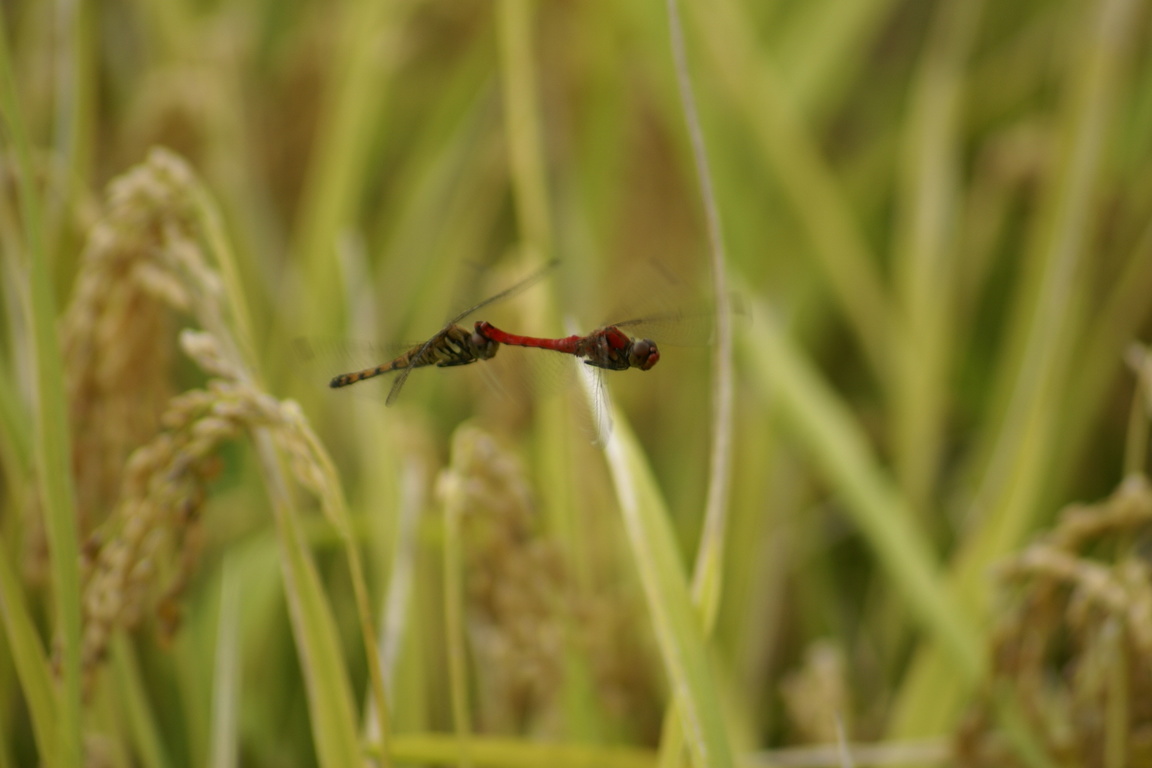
[693, 326]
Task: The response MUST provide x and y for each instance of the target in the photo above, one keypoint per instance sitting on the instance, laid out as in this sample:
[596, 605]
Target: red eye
[644, 354]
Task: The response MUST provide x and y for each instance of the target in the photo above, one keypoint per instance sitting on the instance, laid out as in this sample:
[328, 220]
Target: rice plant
[882, 501]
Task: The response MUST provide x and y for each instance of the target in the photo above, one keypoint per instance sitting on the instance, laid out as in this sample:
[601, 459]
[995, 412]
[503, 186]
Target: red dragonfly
[452, 345]
[609, 347]
[612, 348]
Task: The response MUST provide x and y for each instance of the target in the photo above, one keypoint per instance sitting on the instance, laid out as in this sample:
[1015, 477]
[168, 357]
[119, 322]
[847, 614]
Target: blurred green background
[938, 222]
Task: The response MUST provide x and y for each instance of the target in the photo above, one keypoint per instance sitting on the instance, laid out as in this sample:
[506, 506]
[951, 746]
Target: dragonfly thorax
[614, 350]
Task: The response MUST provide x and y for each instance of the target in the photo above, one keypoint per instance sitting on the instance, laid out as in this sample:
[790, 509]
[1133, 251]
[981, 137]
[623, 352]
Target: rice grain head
[118, 331]
[1075, 619]
[526, 620]
[144, 557]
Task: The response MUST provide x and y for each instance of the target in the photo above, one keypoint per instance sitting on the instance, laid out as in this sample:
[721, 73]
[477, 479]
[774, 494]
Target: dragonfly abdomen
[345, 379]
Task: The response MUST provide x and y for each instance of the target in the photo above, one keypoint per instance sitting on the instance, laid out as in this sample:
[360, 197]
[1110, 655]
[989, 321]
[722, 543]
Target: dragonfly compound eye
[644, 354]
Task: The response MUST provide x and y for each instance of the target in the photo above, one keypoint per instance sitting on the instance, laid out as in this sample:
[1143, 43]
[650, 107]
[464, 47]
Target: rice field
[882, 501]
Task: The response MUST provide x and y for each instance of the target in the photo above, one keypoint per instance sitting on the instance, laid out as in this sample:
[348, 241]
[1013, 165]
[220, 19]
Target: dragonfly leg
[609, 365]
[454, 363]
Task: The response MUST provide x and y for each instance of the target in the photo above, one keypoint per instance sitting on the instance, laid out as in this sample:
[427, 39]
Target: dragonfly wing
[507, 293]
[693, 326]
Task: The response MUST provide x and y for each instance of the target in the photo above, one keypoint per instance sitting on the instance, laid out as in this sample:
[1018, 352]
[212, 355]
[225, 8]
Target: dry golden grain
[157, 519]
[146, 265]
[523, 615]
[118, 330]
[145, 557]
[513, 593]
[816, 696]
[1076, 618]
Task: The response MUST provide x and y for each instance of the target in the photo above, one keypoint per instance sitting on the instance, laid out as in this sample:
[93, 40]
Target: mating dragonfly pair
[608, 347]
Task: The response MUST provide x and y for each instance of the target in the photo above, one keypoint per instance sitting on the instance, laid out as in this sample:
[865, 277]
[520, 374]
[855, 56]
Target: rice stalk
[708, 573]
[52, 444]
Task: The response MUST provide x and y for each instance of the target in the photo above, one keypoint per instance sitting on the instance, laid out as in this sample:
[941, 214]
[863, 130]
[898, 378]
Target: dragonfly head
[643, 354]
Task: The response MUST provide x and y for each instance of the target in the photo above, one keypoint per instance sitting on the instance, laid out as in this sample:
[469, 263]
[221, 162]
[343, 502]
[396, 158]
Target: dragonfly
[453, 345]
[620, 346]
[609, 347]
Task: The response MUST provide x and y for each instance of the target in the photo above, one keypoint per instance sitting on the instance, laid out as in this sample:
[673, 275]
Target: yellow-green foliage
[935, 222]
